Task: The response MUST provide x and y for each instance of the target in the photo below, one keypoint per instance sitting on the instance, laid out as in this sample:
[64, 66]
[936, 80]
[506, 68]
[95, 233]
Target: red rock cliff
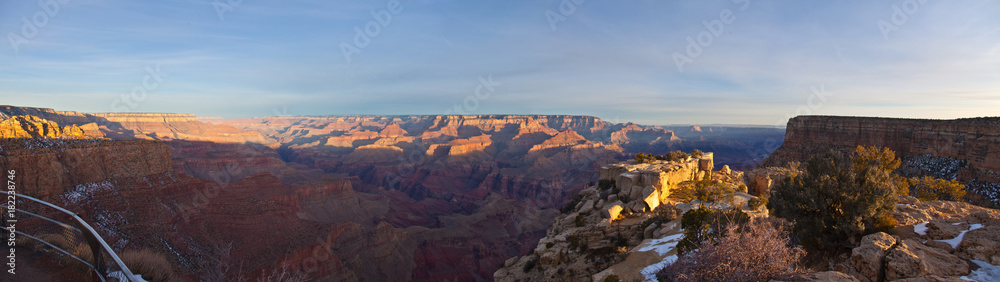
[976, 140]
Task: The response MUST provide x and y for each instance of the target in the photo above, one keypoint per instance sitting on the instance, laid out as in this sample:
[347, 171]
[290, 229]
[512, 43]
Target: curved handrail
[88, 232]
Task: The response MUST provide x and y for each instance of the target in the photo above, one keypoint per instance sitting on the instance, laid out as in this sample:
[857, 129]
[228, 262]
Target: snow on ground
[650, 271]
[958, 239]
[986, 272]
[662, 246]
[920, 228]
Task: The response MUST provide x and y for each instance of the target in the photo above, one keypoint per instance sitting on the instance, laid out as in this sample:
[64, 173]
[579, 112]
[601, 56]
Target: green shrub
[611, 278]
[644, 158]
[530, 264]
[930, 188]
[605, 184]
[708, 192]
[571, 204]
[703, 224]
[756, 202]
[837, 199]
[697, 153]
[578, 221]
[662, 214]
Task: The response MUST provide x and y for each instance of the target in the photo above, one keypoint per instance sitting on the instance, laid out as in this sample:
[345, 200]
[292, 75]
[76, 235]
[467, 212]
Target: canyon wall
[976, 140]
[964, 149]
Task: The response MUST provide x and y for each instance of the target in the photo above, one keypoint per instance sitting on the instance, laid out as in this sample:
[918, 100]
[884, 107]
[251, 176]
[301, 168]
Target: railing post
[95, 246]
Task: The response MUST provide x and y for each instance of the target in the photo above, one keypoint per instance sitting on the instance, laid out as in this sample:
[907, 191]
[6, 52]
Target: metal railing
[97, 245]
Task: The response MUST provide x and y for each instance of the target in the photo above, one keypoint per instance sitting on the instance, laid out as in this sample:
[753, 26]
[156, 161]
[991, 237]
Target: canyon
[333, 197]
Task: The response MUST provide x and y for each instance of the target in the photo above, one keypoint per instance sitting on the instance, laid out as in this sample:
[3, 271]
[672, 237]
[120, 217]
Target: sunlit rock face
[964, 149]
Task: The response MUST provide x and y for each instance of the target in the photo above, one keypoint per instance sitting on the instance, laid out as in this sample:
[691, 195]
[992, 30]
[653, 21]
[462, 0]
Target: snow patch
[662, 246]
[650, 271]
[986, 272]
[958, 239]
[920, 228]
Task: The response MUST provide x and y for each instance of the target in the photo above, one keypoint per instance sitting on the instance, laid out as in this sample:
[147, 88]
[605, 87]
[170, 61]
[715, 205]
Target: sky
[649, 62]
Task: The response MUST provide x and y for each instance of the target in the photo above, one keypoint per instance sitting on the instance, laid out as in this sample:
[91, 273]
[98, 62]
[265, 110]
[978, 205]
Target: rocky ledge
[610, 230]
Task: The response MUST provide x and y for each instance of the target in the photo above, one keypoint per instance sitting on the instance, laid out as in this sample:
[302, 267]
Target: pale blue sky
[612, 59]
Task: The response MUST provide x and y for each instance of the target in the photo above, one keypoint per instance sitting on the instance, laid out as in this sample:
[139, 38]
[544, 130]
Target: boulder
[587, 206]
[641, 206]
[636, 193]
[760, 184]
[726, 170]
[706, 164]
[511, 261]
[912, 259]
[651, 197]
[599, 205]
[981, 244]
[867, 257]
[906, 200]
[828, 276]
[612, 198]
[942, 230]
[940, 245]
[612, 210]
[648, 232]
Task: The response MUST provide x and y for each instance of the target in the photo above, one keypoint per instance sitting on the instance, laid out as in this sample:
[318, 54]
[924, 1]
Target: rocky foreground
[615, 230]
[617, 235]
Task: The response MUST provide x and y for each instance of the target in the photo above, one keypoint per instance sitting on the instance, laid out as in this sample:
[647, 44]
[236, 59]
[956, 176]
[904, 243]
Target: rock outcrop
[964, 149]
[606, 233]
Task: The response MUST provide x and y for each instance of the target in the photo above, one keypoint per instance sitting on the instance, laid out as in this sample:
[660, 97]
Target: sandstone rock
[906, 200]
[706, 164]
[760, 184]
[943, 230]
[612, 198]
[930, 278]
[726, 170]
[867, 257]
[612, 210]
[638, 206]
[636, 193]
[981, 244]
[648, 232]
[587, 207]
[911, 259]
[651, 197]
[813, 135]
[828, 276]
[940, 245]
[511, 261]
[599, 204]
